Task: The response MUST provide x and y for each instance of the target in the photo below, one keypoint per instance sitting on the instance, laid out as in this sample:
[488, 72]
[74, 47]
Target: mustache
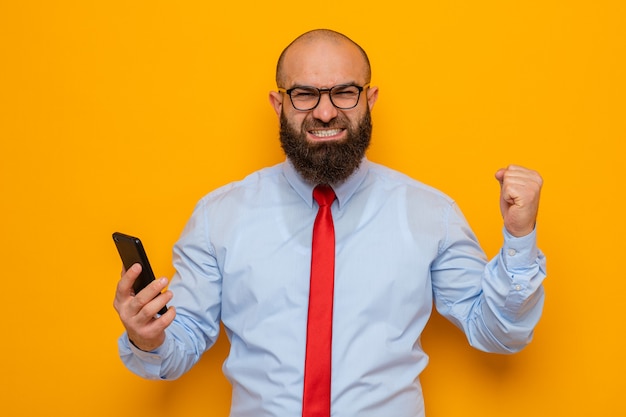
[339, 122]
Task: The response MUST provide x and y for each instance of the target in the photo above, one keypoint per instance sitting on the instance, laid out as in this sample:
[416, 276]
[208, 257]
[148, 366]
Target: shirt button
[518, 287]
[512, 252]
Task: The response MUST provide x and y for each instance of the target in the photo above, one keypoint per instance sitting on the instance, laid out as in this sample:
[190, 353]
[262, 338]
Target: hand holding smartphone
[131, 251]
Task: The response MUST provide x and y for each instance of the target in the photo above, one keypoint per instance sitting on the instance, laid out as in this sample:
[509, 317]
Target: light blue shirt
[244, 259]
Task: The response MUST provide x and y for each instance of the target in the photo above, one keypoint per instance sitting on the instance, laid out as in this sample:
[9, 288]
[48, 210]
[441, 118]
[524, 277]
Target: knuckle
[145, 314]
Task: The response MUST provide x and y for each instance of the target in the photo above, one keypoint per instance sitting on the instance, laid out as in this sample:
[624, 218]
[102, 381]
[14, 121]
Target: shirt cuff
[154, 357]
[520, 253]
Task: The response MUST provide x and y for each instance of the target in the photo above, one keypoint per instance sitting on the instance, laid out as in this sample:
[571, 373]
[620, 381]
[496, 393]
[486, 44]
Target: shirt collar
[344, 190]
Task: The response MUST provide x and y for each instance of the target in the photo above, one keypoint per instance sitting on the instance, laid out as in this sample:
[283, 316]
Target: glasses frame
[322, 91]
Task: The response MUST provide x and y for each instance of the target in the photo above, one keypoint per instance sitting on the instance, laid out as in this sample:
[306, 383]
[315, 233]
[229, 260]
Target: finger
[150, 334]
[151, 291]
[526, 183]
[151, 309]
[511, 173]
[516, 171]
[500, 175]
[138, 316]
[157, 325]
[124, 291]
[517, 190]
[518, 175]
[125, 284]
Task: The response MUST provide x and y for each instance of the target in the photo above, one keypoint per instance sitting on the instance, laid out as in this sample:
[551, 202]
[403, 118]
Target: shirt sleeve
[197, 299]
[497, 303]
[142, 363]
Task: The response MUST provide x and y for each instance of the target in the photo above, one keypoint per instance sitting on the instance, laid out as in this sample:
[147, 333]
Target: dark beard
[326, 162]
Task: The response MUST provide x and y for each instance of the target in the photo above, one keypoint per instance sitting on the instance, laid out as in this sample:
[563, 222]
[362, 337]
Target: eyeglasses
[344, 96]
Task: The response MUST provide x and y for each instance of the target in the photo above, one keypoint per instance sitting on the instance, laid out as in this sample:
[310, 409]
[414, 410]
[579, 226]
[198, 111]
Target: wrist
[520, 232]
[145, 347]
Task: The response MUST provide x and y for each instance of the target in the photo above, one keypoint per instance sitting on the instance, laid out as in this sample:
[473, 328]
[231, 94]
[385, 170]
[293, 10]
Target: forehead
[324, 63]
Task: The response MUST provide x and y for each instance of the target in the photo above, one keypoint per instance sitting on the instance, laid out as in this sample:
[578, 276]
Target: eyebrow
[296, 85]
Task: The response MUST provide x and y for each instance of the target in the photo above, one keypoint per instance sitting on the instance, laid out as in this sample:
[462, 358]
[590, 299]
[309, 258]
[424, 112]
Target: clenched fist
[519, 198]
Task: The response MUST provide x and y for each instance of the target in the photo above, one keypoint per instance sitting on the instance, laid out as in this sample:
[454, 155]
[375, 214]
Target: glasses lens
[345, 96]
[304, 98]
[342, 96]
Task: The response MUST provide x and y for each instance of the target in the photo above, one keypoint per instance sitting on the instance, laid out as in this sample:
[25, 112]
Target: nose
[325, 110]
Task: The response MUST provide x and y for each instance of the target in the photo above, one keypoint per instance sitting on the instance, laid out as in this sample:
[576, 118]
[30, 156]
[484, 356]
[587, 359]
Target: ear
[276, 100]
[372, 96]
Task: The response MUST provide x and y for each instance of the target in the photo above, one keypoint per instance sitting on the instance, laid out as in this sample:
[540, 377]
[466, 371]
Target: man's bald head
[317, 35]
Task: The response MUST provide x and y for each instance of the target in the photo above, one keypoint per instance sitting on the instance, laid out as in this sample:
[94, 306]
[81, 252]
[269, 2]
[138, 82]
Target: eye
[347, 91]
[303, 93]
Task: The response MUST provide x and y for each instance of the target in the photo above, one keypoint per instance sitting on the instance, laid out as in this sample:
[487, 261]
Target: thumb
[499, 175]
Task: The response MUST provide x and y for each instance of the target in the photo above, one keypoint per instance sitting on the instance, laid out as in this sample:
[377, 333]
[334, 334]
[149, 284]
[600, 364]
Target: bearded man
[324, 268]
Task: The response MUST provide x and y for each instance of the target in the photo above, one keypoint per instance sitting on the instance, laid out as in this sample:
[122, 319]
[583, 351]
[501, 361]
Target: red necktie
[316, 397]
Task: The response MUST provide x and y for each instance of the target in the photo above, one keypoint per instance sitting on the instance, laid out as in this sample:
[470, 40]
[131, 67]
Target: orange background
[119, 115]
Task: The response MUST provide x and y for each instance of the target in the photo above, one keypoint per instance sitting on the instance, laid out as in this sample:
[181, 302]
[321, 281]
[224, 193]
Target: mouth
[326, 134]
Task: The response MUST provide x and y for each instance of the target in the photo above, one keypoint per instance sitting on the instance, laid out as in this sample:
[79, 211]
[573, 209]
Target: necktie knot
[324, 195]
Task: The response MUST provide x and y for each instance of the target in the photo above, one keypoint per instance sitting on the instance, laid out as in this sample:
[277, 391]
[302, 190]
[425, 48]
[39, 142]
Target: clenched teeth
[325, 133]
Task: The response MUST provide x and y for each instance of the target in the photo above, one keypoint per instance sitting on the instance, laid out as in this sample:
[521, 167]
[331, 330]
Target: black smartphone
[131, 251]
